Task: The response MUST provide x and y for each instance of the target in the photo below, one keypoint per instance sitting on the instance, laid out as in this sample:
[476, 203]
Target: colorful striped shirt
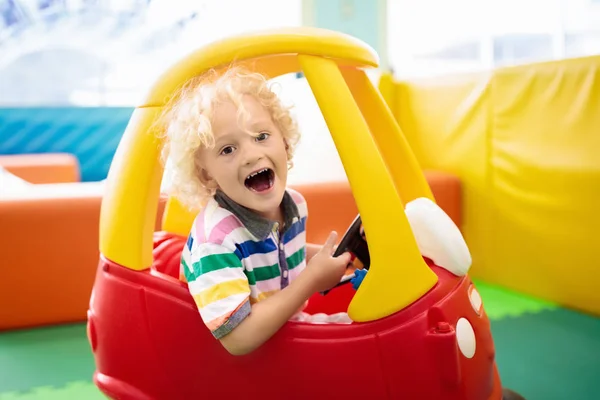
[234, 258]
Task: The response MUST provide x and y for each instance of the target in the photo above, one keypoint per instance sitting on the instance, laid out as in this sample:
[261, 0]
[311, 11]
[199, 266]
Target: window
[50, 59]
[520, 48]
[436, 37]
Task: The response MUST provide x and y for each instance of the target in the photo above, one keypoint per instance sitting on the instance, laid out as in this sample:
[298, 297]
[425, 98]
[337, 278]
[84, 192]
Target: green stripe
[295, 259]
[186, 271]
[266, 273]
[251, 278]
[215, 262]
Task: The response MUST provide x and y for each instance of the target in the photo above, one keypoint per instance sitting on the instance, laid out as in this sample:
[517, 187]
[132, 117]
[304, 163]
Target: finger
[328, 246]
[344, 258]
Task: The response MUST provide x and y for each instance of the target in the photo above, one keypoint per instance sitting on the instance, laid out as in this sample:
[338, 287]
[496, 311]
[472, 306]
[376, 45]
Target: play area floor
[543, 352]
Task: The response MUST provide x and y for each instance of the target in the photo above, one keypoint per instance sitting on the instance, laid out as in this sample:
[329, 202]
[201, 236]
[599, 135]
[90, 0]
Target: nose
[252, 154]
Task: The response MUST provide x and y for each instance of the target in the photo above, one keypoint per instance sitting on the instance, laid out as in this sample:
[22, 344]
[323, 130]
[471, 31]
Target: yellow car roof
[380, 166]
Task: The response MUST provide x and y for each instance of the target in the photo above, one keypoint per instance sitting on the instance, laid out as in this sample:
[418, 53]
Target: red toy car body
[149, 342]
[434, 340]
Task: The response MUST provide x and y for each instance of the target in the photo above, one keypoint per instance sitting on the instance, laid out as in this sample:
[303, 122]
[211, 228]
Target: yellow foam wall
[526, 142]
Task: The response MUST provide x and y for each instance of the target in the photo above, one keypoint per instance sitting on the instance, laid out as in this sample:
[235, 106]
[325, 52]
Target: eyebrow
[261, 122]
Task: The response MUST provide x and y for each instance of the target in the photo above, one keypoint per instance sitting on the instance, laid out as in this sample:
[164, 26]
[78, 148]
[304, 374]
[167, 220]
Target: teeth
[256, 173]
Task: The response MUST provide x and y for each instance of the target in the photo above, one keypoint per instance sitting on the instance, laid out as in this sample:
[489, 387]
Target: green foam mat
[51, 356]
[551, 355]
[72, 390]
[500, 302]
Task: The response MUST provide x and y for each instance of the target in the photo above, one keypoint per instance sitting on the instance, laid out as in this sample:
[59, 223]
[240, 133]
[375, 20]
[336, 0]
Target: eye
[227, 150]
[262, 137]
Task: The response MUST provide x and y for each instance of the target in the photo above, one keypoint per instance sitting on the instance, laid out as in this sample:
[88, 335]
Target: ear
[207, 179]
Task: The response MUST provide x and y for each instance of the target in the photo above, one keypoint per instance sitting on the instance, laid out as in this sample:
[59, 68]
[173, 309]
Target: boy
[247, 264]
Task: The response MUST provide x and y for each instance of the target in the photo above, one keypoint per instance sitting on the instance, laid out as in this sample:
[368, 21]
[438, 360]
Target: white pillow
[437, 236]
[11, 184]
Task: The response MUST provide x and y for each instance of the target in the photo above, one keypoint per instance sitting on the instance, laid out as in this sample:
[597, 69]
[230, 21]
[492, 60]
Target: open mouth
[260, 181]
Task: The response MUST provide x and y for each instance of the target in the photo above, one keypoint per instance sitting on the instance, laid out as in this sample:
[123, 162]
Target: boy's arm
[268, 316]
[221, 290]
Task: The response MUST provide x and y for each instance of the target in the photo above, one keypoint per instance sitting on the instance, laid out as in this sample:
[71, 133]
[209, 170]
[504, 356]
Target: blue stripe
[190, 241]
[249, 247]
[296, 229]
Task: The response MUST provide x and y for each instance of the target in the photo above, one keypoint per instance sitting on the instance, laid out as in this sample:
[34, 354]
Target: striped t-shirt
[234, 258]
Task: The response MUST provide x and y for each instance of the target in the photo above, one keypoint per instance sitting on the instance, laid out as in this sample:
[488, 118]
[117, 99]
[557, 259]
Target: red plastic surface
[150, 343]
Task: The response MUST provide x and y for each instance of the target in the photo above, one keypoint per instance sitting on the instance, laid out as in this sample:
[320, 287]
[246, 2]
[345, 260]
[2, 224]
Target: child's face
[249, 168]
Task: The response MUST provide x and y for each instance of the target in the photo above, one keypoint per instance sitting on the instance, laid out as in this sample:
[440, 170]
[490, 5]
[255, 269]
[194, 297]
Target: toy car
[419, 330]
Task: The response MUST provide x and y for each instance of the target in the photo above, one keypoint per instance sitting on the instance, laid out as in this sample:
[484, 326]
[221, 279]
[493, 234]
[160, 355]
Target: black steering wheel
[355, 242]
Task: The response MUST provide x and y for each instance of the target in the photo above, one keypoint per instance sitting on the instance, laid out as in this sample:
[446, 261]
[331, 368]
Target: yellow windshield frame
[379, 164]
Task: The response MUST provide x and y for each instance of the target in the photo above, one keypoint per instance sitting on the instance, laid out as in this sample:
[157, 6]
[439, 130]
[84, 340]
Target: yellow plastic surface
[177, 218]
[398, 275]
[128, 212]
[272, 52]
[525, 142]
[393, 146]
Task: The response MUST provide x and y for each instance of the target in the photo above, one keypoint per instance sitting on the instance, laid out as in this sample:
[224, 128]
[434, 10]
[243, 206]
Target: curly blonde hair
[187, 125]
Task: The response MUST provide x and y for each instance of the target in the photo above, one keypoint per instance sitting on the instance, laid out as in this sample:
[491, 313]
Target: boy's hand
[326, 271]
